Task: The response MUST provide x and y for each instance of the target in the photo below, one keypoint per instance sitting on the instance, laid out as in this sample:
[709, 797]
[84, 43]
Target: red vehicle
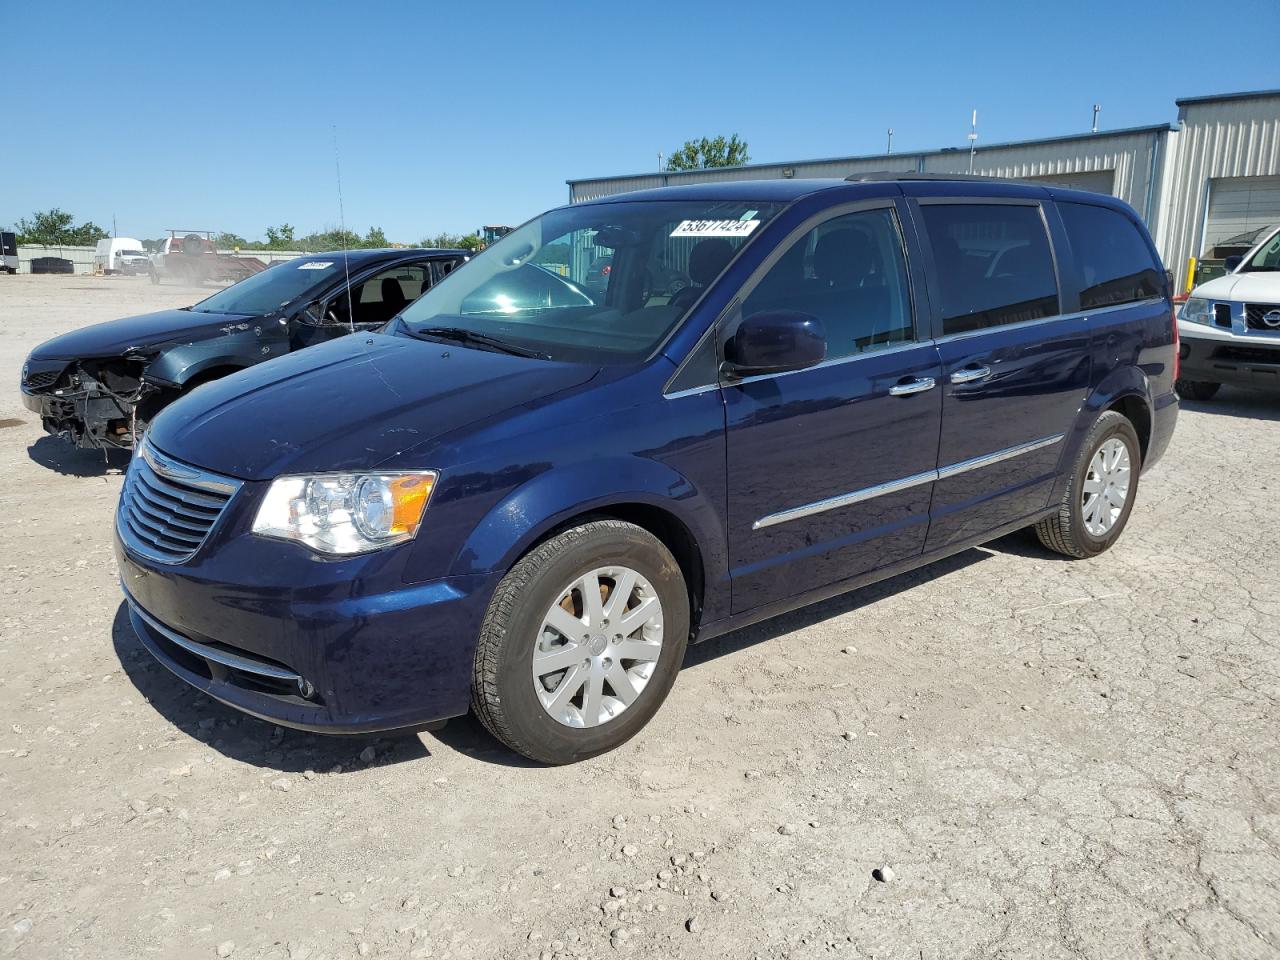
[190, 256]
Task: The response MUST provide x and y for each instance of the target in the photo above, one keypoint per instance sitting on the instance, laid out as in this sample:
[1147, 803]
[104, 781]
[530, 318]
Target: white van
[121, 255]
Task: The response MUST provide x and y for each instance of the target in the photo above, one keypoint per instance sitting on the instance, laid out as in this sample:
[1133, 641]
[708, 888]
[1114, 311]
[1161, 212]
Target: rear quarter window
[1115, 263]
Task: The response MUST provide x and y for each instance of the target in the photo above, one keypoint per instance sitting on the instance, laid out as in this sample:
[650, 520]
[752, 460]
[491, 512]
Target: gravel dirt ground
[1044, 759]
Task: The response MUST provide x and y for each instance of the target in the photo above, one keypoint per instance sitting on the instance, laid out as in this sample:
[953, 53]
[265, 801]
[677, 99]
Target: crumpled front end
[96, 404]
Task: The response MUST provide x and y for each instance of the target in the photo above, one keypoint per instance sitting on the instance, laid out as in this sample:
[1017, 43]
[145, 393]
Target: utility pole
[1097, 108]
[659, 161]
[973, 139]
[890, 147]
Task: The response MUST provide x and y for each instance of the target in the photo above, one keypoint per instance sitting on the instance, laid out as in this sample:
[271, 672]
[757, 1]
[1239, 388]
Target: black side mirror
[319, 314]
[775, 341]
[1230, 263]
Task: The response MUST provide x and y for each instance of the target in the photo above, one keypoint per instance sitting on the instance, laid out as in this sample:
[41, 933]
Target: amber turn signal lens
[409, 496]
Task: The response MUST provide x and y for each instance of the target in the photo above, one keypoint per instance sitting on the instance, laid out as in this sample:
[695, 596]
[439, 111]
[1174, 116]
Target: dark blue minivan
[527, 493]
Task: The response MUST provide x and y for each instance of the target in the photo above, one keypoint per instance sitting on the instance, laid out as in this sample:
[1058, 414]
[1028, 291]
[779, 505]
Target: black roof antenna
[342, 230]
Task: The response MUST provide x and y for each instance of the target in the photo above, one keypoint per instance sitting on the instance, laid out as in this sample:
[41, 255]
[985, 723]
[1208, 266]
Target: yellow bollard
[1191, 274]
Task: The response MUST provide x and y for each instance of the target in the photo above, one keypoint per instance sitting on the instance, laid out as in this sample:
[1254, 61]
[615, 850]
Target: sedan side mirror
[775, 341]
[1230, 263]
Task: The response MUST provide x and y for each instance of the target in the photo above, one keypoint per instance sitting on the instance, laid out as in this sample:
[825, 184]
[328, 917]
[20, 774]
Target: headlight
[1196, 311]
[345, 513]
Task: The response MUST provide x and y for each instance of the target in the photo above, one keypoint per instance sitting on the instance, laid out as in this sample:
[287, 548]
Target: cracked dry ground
[1057, 759]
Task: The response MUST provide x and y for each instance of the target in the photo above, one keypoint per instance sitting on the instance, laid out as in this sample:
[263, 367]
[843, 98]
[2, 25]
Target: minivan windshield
[1267, 259]
[596, 283]
[273, 287]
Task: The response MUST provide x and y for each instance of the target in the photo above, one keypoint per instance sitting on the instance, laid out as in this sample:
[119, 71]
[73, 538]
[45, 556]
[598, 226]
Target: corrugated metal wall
[1167, 175]
[82, 257]
[580, 190]
[1224, 138]
[1127, 154]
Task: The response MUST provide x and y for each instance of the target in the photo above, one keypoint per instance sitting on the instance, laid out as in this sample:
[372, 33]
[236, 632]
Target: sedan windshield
[596, 283]
[273, 287]
[1267, 259]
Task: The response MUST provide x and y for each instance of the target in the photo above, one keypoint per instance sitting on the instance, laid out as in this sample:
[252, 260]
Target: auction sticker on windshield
[316, 265]
[715, 228]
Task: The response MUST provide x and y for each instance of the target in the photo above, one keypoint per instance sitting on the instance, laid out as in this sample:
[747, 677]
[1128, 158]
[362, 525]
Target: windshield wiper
[462, 335]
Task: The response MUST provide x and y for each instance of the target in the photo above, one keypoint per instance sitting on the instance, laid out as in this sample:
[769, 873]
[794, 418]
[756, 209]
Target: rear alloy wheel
[1099, 498]
[1196, 389]
[581, 642]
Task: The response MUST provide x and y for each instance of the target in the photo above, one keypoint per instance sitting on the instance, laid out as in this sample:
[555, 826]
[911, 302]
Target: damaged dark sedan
[101, 386]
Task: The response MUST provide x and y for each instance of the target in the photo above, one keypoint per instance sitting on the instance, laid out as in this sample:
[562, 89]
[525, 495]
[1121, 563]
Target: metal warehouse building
[1209, 178]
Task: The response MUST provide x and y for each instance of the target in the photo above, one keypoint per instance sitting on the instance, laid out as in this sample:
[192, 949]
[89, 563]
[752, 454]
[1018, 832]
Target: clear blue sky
[452, 115]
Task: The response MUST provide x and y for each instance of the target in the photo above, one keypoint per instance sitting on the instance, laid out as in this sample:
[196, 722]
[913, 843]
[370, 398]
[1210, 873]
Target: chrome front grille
[1256, 315]
[167, 508]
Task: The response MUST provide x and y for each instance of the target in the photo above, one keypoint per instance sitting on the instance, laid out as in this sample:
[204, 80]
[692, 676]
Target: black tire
[1064, 532]
[1197, 389]
[502, 692]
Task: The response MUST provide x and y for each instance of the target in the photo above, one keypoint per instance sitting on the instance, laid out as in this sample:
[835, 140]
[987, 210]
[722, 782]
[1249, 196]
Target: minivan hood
[115, 337]
[349, 404]
[1260, 287]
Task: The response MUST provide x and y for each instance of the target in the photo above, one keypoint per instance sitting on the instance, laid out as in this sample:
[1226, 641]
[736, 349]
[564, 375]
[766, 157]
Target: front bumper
[306, 643]
[1220, 356]
[34, 402]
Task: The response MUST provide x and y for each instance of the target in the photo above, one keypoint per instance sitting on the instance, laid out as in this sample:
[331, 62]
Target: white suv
[1230, 326]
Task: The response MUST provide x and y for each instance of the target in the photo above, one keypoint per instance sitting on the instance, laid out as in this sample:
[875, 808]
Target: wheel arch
[1125, 390]
[1137, 411]
[657, 499]
[674, 534]
[183, 368]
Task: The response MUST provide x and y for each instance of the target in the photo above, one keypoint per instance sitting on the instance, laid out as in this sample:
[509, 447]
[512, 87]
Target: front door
[830, 469]
[1015, 368]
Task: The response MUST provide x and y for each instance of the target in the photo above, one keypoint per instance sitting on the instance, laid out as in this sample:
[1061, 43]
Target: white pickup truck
[1230, 326]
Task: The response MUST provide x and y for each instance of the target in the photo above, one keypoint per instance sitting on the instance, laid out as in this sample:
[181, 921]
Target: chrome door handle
[919, 385]
[970, 374]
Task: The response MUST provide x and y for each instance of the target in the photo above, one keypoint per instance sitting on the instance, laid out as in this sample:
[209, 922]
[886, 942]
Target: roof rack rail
[899, 175]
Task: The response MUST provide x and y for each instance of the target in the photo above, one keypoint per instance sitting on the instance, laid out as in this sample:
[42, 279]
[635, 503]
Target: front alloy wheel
[598, 646]
[581, 642]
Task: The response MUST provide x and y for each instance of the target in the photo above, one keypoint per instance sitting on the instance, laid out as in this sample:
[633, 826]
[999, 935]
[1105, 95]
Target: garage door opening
[1239, 205]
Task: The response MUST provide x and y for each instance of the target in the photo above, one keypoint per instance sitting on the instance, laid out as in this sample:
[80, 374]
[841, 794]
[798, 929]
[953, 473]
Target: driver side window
[850, 272]
[388, 292]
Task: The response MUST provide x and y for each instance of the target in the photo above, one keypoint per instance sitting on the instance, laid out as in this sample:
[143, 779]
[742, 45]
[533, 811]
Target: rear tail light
[606, 270]
[1177, 347]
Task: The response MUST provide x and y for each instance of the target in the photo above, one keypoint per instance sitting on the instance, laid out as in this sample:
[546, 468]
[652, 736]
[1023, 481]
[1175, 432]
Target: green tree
[54, 228]
[448, 241]
[375, 238]
[700, 154]
[280, 238]
[87, 234]
[229, 241]
[471, 242]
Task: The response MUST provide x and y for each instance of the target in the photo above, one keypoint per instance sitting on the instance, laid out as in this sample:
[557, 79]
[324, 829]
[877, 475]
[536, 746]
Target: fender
[1121, 382]
[176, 365]
[558, 495]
